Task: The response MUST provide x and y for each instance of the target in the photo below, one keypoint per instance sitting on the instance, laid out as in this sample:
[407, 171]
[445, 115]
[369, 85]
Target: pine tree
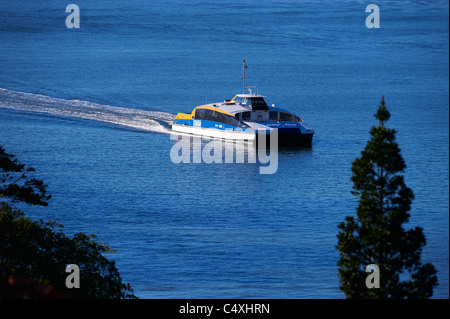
[376, 235]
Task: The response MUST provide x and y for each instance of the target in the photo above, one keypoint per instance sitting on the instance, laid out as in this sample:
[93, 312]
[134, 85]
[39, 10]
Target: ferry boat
[241, 118]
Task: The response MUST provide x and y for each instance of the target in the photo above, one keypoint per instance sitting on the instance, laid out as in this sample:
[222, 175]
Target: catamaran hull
[288, 138]
[294, 139]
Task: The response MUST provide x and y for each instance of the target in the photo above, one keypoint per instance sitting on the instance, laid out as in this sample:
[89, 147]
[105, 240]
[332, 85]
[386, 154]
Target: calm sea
[89, 109]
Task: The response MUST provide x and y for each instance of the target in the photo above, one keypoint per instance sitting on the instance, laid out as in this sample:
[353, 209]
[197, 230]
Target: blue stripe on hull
[211, 125]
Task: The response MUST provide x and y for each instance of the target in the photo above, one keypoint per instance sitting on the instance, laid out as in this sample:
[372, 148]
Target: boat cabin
[254, 101]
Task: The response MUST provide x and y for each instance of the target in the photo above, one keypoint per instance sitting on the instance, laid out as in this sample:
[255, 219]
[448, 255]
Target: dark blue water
[89, 107]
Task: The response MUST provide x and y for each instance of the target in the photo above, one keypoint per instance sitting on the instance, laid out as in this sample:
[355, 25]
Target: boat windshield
[256, 103]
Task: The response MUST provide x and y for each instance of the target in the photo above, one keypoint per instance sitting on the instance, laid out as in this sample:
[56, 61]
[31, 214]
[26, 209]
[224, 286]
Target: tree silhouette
[16, 185]
[376, 235]
[40, 251]
[34, 254]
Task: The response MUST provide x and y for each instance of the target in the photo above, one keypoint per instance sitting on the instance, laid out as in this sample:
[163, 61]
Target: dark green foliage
[16, 185]
[376, 235]
[41, 251]
[382, 114]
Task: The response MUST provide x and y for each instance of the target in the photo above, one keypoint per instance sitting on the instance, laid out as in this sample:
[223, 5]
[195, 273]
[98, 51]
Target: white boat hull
[215, 133]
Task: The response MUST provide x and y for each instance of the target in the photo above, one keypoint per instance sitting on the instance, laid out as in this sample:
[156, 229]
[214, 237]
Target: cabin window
[285, 117]
[204, 114]
[259, 104]
[256, 103]
[226, 119]
[245, 116]
[273, 116]
[212, 115]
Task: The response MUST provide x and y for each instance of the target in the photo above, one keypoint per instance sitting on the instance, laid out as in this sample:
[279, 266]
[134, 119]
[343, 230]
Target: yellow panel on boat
[183, 116]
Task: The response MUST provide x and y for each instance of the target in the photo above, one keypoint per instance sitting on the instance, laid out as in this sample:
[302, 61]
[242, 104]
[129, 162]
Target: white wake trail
[153, 121]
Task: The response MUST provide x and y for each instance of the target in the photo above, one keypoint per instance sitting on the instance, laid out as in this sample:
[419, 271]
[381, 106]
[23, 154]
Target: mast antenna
[244, 66]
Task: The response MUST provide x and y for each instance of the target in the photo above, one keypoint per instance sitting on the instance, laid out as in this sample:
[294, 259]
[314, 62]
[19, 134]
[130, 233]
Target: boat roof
[249, 96]
[234, 108]
[231, 108]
